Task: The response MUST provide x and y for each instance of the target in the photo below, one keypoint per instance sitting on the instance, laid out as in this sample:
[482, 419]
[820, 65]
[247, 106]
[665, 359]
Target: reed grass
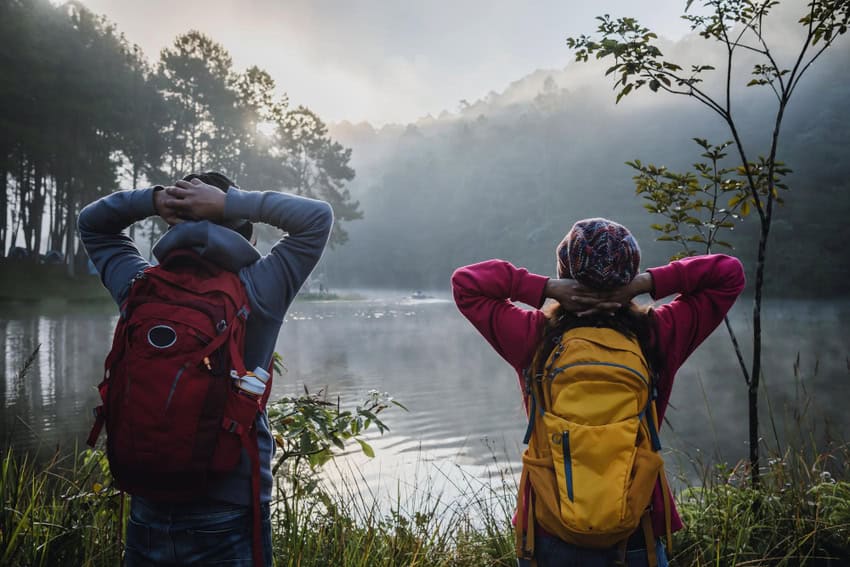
[64, 513]
[59, 513]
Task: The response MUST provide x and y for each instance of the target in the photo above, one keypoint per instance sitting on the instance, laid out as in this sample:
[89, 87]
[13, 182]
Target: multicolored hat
[599, 253]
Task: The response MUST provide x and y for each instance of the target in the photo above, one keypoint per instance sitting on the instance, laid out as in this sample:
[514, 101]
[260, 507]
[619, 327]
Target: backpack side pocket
[593, 466]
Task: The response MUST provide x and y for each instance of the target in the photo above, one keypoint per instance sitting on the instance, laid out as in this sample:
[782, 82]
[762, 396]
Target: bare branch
[792, 79]
[750, 47]
[793, 85]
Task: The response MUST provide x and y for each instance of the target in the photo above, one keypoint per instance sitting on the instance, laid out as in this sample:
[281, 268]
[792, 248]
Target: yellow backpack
[592, 460]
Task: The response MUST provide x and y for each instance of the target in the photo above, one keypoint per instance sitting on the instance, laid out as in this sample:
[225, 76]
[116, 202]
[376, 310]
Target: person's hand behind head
[595, 301]
[578, 299]
[163, 204]
[196, 200]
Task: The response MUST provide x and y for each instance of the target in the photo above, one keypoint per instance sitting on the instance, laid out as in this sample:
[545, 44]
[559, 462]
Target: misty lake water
[465, 417]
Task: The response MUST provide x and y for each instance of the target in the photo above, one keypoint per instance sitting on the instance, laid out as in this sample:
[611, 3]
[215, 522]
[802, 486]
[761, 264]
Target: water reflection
[464, 401]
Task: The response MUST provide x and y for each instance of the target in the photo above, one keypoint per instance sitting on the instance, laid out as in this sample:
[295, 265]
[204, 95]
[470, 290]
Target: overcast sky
[382, 60]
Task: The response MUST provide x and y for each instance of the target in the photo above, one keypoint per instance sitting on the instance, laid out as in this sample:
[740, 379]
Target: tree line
[81, 108]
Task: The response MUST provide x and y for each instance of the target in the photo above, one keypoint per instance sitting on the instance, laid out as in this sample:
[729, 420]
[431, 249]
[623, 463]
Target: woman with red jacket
[597, 280]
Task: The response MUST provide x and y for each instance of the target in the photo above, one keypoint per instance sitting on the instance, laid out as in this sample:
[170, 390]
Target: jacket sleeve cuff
[141, 203]
[665, 280]
[530, 290]
[240, 204]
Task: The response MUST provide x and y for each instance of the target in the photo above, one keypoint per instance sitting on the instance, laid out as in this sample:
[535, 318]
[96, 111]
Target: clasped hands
[582, 300]
[189, 200]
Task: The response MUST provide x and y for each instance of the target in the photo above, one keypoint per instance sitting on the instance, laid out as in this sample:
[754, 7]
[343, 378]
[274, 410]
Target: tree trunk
[152, 238]
[70, 234]
[37, 210]
[4, 207]
[17, 210]
[28, 209]
[135, 186]
[60, 200]
[756, 372]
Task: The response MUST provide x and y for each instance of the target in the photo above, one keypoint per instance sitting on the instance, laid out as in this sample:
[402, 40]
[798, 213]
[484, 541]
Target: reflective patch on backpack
[162, 336]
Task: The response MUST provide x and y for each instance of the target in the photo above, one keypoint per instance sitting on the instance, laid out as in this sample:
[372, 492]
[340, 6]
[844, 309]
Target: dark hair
[221, 181]
[632, 320]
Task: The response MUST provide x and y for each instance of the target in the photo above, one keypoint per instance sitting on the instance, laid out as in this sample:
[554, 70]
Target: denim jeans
[553, 552]
[209, 533]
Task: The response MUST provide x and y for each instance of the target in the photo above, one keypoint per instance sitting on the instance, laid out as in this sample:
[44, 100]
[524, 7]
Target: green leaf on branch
[367, 449]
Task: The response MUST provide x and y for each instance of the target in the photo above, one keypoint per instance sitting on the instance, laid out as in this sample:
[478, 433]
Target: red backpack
[174, 419]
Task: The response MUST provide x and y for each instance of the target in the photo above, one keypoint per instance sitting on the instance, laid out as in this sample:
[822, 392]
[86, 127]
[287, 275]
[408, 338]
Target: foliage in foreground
[64, 513]
[800, 515]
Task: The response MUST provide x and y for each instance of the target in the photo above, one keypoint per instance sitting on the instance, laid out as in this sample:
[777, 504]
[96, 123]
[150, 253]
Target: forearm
[113, 213]
[716, 274]
[498, 280]
[300, 217]
[642, 283]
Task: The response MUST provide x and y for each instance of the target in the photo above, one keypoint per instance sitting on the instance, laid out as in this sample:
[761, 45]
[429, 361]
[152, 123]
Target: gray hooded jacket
[271, 281]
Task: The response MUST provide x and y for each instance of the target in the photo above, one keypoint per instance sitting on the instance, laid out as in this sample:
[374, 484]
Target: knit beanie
[598, 253]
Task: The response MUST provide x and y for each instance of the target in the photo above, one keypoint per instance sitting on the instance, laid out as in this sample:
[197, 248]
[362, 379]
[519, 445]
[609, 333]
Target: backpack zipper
[568, 465]
[643, 379]
[174, 386]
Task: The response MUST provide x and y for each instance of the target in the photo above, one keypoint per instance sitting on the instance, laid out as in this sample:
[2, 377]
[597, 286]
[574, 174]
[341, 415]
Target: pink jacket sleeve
[485, 293]
[708, 287]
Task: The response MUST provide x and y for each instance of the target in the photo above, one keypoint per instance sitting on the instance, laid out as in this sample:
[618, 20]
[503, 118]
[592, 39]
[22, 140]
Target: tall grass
[800, 515]
[61, 513]
[345, 523]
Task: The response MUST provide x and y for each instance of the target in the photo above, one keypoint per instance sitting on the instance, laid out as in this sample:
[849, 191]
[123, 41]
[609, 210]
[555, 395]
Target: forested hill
[507, 175]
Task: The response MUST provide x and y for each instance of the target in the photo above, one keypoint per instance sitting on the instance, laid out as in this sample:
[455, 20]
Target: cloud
[377, 60]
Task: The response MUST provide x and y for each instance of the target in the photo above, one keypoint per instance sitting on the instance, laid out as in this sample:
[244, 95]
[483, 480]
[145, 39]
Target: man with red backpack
[218, 510]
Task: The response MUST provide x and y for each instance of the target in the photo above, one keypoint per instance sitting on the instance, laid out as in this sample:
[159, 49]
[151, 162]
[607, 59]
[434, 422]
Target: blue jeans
[208, 533]
[553, 552]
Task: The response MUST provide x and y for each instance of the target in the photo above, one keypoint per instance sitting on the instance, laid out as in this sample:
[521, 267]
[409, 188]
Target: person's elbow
[460, 282]
[323, 217]
[84, 219]
[326, 215]
[735, 273]
[458, 276]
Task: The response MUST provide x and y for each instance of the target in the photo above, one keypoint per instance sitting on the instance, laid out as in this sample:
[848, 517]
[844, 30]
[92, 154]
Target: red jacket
[707, 286]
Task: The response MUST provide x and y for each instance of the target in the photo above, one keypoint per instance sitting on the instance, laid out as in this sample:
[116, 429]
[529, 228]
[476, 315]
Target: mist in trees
[81, 110]
[506, 176]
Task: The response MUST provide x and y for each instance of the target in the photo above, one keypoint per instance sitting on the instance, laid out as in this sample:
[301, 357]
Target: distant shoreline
[26, 281]
[23, 281]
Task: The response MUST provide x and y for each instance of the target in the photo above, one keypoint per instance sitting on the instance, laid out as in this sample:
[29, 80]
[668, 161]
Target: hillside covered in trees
[506, 176]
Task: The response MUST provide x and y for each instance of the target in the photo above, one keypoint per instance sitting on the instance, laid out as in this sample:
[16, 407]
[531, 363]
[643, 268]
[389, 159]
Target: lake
[465, 412]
